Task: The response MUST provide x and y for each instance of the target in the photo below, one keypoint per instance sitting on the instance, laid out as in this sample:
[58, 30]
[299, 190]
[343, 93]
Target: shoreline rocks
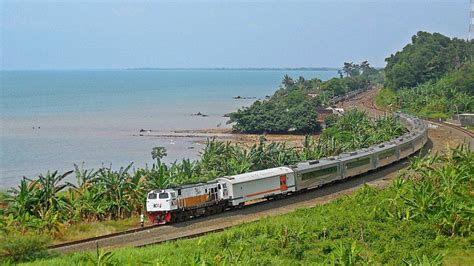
[243, 97]
[200, 114]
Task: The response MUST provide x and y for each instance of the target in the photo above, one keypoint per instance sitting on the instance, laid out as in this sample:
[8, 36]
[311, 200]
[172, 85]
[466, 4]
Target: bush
[21, 248]
[386, 98]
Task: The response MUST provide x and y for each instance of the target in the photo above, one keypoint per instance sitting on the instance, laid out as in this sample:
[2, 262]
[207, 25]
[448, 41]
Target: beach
[228, 135]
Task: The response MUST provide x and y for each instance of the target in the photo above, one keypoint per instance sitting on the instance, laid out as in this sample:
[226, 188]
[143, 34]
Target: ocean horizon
[51, 119]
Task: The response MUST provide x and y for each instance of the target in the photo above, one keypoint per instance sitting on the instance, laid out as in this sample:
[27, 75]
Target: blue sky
[125, 34]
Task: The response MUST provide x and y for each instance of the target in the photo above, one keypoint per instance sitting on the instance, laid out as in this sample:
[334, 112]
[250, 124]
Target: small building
[323, 112]
[462, 120]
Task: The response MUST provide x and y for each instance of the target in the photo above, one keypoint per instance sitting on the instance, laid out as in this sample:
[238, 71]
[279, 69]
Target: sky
[193, 34]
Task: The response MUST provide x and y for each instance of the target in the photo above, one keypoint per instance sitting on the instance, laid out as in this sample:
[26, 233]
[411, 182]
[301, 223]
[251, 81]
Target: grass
[92, 229]
[385, 99]
[354, 227]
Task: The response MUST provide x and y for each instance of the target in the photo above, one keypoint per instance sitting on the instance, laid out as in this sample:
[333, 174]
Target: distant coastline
[242, 68]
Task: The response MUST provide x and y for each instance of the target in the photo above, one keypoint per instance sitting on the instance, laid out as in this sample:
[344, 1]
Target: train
[164, 206]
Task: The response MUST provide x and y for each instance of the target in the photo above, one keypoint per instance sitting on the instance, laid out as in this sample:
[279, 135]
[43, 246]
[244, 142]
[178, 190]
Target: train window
[205, 190]
[224, 185]
[358, 163]
[173, 195]
[406, 147]
[152, 196]
[163, 195]
[219, 186]
[386, 154]
[179, 192]
[318, 173]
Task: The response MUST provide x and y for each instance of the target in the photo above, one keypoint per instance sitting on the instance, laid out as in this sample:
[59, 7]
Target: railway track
[150, 235]
[463, 130]
[369, 103]
[97, 238]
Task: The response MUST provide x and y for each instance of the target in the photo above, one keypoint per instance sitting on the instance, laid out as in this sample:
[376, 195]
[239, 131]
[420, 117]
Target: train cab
[162, 200]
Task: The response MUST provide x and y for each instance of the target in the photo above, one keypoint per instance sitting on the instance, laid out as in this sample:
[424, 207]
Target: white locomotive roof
[235, 179]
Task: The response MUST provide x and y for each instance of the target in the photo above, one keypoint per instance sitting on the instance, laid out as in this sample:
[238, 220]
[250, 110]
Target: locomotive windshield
[152, 196]
[163, 195]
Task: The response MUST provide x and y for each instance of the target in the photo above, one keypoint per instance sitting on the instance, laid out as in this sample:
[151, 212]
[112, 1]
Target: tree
[340, 73]
[287, 81]
[301, 80]
[304, 117]
[157, 153]
[427, 58]
[401, 75]
[351, 69]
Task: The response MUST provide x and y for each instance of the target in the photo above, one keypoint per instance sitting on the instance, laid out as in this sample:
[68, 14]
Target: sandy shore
[226, 134]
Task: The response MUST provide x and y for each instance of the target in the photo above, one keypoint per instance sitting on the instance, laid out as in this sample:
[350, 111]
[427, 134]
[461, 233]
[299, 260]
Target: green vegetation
[19, 247]
[436, 100]
[427, 58]
[293, 107]
[450, 95]
[424, 218]
[432, 77]
[48, 205]
[386, 98]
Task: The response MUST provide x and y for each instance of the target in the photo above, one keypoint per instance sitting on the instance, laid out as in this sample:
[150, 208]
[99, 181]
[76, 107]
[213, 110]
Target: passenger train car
[184, 202]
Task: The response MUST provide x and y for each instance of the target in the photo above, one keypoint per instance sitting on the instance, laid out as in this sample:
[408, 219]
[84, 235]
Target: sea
[51, 120]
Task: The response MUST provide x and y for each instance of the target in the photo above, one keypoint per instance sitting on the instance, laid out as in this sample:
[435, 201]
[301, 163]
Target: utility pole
[471, 21]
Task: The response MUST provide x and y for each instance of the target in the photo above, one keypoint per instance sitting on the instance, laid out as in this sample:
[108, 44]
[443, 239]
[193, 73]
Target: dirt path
[439, 140]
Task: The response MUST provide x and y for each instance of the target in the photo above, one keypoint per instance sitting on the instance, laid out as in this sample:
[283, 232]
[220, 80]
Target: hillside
[432, 77]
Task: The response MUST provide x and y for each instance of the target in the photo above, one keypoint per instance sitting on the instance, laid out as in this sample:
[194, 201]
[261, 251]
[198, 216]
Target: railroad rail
[465, 131]
[96, 238]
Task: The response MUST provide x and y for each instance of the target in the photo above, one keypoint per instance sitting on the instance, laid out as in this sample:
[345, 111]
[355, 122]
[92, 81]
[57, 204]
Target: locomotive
[194, 200]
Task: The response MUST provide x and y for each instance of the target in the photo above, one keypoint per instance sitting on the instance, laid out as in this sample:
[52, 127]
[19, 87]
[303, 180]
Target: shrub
[21, 248]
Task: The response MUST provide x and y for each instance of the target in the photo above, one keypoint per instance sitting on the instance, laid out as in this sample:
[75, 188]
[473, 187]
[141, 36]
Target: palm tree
[287, 81]
[158, 153]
